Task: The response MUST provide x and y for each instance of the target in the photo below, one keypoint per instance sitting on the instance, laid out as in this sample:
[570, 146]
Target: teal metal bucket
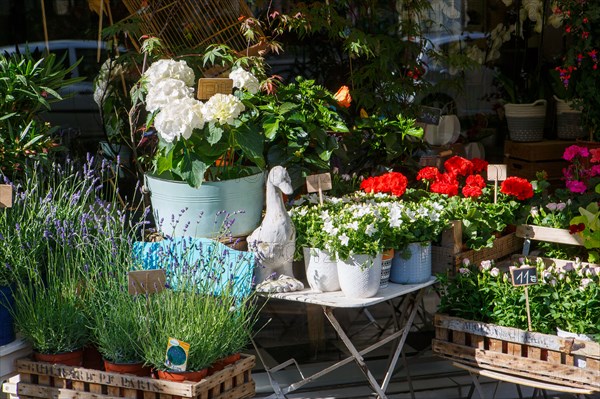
[215, 209]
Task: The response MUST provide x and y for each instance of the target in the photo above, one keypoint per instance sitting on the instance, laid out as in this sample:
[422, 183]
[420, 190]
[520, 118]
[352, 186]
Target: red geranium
[428, 173]
[472, 191]
[459, 166]
[392, 183]
[479, 165]
[518, 187]
[475, 180]
[446, 183]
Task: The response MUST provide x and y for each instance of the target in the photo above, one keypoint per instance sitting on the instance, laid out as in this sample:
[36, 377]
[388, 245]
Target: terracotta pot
[92, 359]
[137, 369]
[220, 364]
[74, 358]
[194, 376]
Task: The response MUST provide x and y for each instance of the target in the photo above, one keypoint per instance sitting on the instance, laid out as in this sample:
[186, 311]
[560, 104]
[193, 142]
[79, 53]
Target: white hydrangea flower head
[179, 118]
[223, 108]
[165, 92]
[168, 68]
[243, 79]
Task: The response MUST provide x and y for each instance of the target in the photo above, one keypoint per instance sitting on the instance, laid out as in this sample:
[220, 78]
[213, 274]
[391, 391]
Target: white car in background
[78, 113]
[477, 83]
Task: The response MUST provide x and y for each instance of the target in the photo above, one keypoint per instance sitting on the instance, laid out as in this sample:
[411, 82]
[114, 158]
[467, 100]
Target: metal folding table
[411, 296]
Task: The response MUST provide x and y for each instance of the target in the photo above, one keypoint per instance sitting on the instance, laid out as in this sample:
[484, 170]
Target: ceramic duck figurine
[274, 240]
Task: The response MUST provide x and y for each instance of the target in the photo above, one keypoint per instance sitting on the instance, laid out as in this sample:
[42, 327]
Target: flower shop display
[483, 315]
[469, 200]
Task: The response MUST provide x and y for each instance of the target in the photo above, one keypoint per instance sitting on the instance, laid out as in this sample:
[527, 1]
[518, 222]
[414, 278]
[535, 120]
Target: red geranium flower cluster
[518, 187]
[456, 168]
[391, 183]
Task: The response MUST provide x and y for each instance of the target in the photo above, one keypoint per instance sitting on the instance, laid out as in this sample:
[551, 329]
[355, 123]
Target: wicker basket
[568, 121]
[526, 121]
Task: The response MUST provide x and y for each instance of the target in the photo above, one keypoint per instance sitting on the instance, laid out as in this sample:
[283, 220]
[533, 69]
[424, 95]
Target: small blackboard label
[430, 115]
[524, 275]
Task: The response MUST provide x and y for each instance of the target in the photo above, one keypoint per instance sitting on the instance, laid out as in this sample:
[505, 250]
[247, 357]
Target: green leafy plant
[28, 86]
[565, 296]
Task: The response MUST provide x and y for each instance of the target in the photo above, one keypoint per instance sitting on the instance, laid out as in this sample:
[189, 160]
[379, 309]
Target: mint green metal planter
[213, 210]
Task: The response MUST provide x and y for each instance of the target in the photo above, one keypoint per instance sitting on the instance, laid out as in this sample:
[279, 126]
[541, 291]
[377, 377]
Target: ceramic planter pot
[321, 270]
[206, 208]
[414, 269]
[386, 266]
[7, 323]
[360, 275]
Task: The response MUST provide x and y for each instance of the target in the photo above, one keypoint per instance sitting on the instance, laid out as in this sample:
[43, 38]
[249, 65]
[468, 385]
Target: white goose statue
[274, 240]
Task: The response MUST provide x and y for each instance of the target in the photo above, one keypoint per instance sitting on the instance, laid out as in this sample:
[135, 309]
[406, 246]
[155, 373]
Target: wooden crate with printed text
[48, 381]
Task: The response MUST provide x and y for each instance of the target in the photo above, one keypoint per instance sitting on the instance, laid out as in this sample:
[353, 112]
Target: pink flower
[595, 170]
[576, 186]
[572, 151]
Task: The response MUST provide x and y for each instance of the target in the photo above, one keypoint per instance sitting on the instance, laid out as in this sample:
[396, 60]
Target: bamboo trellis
[192, 23]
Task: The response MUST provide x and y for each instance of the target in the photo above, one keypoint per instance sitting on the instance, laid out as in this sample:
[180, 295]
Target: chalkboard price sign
[524, 275]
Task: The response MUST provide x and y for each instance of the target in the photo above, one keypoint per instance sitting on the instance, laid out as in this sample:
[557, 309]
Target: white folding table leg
[357, 356]
[414, 301]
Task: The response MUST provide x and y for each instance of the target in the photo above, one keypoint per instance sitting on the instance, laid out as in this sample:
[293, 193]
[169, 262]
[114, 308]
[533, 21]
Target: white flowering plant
[365, 223]
[194, 135]
[566, 296]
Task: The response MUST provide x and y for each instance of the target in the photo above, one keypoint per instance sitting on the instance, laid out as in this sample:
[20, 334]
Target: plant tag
[496, 172]
[146, 281]
[523, 275]
[5, 195]
[176, 356]
[207, 87]
[318, 183]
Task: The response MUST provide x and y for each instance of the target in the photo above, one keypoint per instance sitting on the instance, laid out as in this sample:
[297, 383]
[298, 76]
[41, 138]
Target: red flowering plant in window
[393, 183]
[580, 72]
[469, 199]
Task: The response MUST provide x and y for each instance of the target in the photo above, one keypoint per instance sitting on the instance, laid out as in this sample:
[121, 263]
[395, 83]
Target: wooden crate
[448, 256]
[535, 356]
[526, 159]
[45, 380]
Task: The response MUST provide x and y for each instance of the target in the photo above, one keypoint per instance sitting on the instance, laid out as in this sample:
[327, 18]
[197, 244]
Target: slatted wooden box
[526, 159]
[45, 380]
[448, 256]
[535, 356]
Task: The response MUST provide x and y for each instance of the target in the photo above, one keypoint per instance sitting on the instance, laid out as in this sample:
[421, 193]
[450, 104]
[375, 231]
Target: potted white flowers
[201, 149]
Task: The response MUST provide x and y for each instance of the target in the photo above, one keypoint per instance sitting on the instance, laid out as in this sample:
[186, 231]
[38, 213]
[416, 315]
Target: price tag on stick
[524, 276]
[496, 173]
[146, 281]
[318, 183]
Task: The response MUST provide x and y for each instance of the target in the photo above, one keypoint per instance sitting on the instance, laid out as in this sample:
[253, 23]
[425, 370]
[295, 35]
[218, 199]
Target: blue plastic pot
[412, 265]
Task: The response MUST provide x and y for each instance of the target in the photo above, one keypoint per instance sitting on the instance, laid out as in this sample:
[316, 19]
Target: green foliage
[566, 297]
[28, 86]
[379, 141]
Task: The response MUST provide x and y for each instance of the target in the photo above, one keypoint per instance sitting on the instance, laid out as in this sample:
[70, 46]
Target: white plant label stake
[318, 183]
[496, 173]
[524, 276]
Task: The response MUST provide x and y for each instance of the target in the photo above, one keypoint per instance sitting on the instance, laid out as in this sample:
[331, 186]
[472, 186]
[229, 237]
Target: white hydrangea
[244, 80]
[166, 91]
[223, 108]
[179, 118]
[168, 68]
